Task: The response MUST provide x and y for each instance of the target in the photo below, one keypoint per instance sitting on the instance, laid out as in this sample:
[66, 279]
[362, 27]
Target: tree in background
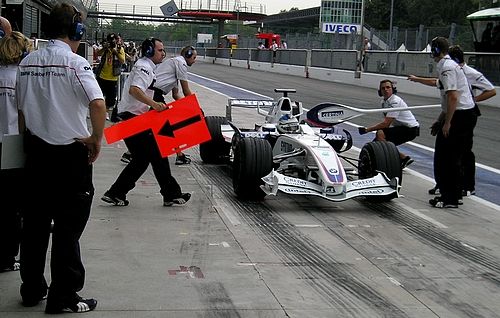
[412, 13]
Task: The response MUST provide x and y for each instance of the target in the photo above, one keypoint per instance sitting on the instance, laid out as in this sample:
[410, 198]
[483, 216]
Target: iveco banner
[340, 28]
[340, 16]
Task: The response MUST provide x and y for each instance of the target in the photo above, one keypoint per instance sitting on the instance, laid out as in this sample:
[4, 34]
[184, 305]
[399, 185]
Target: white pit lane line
[420, 215]
[477, 199]
[235, 221]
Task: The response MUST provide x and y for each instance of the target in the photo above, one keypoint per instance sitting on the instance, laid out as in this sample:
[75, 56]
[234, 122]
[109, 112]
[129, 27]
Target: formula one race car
[299, 153]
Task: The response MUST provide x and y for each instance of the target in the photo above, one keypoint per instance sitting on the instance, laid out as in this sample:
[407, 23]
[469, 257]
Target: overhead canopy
[486, 14]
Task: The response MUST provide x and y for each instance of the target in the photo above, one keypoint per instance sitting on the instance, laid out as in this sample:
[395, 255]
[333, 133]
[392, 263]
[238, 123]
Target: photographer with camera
[109, 69]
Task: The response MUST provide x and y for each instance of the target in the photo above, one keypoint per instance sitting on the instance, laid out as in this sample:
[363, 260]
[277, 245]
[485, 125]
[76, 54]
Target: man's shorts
[401, 134]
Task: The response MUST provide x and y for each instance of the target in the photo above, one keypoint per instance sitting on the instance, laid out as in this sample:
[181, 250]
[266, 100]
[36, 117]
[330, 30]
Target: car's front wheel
[253, 159]
[380, 156]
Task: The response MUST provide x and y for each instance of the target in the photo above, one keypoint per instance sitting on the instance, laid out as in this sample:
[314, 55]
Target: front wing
[380, 185]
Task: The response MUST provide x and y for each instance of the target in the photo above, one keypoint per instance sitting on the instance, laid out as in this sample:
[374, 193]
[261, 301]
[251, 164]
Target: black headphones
[148, 47]
[77, 29]
[394, 90]
[189, 52]
[2, 32]
[436, 50]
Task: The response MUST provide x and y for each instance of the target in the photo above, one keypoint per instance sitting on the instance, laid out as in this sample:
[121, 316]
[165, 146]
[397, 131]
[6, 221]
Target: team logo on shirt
[145, 71]
[87, 68]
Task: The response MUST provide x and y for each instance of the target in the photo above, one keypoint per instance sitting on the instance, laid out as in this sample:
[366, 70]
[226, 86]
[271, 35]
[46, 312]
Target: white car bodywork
[304, 162]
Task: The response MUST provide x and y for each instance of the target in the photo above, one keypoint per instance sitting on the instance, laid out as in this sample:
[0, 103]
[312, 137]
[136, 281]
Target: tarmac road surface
[287, 256]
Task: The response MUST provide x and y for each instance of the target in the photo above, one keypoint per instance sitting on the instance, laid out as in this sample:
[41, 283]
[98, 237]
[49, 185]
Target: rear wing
[249, 103]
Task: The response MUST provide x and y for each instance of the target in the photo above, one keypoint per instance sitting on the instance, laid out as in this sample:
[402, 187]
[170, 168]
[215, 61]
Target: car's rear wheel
[253, 159]
[380, 156]
[217, 149]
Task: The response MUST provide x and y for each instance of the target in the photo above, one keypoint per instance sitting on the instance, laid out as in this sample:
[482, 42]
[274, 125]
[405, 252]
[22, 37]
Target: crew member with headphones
[54, 91]
[398, 126]
[5, 27]
[454, 126]
[13, 48]
[137, 100]
[169, 73]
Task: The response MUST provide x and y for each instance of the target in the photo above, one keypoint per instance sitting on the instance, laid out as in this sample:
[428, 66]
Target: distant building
[31, 16]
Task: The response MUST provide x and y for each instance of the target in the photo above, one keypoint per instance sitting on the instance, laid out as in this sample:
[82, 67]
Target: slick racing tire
[253, 159]
[379, 156]
[216, 150]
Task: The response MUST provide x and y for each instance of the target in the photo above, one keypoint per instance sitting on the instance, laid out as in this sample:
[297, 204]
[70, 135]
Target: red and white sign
[180, 127]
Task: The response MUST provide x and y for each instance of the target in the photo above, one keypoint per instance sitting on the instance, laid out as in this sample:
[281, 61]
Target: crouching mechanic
[55, 88]
[398, 126]
[138, 100]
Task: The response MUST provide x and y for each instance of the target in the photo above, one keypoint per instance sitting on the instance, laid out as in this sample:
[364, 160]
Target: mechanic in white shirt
[168, 75]
[55, 88]
[137, 100]
[453, 128]
[398, 126]
[13, 48]
[482, 89]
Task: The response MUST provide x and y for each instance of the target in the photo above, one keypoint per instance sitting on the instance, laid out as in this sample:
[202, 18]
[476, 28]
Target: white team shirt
[170, 72]
[476, 80]
[8, 107]
[401, 118]
[143, 77]
[452, 78]
[54, 88]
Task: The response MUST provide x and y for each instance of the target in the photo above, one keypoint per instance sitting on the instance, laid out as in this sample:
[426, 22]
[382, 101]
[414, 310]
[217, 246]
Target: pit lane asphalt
[288, 256]
[253, 84]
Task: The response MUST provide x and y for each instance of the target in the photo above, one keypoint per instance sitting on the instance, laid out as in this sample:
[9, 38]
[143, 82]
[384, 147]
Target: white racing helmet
[287, 124]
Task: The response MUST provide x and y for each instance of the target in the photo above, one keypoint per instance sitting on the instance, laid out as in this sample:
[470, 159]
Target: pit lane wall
[340, 66]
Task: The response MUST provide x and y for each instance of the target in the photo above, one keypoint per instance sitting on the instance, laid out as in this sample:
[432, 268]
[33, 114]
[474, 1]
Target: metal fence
[382, 62]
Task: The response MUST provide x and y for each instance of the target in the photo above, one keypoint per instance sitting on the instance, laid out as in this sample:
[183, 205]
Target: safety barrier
[380, 62]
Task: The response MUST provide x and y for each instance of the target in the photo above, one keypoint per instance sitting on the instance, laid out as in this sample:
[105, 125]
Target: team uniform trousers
[10, 215]
[449, 153]
[401, 134]
[469, 160]
[145, 151]
[59, 184]
[109, 90]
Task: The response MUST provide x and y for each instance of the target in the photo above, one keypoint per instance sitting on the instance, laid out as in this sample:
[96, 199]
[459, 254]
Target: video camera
[112, 40]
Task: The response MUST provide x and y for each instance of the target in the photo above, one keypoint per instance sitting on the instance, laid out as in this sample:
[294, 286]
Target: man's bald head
[5, 27]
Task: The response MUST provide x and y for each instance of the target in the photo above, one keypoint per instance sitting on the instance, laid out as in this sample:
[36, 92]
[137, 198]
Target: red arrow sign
[180, 127]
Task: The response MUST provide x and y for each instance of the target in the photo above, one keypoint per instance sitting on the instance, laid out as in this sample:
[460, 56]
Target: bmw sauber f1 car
[300, 153]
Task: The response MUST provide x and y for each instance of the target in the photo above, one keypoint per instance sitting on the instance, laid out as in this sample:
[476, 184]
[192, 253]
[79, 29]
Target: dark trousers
[59, 184]
[469, 164]
[145, 151]
[400, 134]
[10, 214]
[449, 153]
[109, 90]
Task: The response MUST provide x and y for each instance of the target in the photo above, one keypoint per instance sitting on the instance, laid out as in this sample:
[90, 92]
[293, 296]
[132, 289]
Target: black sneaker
[108, 197]
[32, 298]
[434, 191]
[180, 200]
[406, 162]
[81, 305]
[126, 157]
[14, 266]
[182, 159]
[437, 202]
[468, 193]
[32, 302]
